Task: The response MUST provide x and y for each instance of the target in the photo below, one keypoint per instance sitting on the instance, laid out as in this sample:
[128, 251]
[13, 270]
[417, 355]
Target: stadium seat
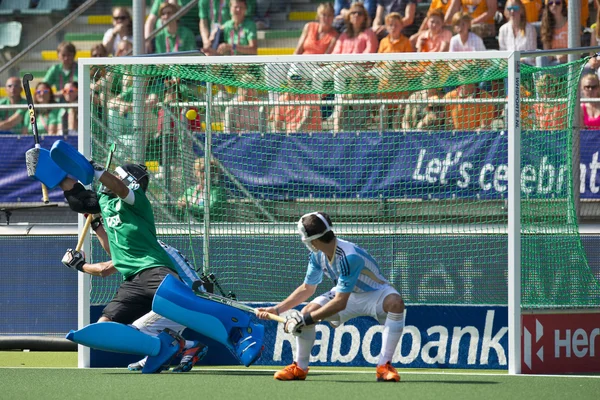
[47, 7]
[10, 36]
[13, 7]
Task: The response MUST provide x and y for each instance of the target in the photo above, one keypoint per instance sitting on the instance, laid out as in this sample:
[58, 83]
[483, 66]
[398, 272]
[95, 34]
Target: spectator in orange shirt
[318, 37]
[482, 12]
[549, 115]
[533, 10]
[554, 31]
[444, 5]
[395, 41]
[405, 8]
[436, 38]
[358, 38]
[469, 116]
[297, 118]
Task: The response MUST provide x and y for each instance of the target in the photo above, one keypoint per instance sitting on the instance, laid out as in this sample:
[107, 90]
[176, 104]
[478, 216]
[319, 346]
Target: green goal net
[408, 157]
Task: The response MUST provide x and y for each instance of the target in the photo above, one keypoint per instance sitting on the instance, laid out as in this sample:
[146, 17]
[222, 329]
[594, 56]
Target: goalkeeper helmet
[309, 235]
[134, 176]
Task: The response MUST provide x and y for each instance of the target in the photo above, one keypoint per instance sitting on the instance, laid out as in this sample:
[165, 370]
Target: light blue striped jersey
[352, 269]
[185, 269]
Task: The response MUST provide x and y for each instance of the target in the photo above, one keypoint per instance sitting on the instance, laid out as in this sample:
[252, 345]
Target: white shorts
[366, 304]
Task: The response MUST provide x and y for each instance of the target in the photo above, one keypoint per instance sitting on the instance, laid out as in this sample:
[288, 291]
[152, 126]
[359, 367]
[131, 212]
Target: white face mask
[307, 240]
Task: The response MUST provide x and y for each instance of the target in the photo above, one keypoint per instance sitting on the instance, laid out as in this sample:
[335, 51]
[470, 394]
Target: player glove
[295, 321]
[74, 259]
[81, 200]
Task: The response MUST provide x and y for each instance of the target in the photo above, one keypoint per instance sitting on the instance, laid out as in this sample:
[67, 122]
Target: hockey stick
[88, 221]
[229, 302]
[32, 119]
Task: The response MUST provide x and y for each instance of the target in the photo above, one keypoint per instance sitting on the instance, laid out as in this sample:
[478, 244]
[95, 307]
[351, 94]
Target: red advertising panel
[561, 343]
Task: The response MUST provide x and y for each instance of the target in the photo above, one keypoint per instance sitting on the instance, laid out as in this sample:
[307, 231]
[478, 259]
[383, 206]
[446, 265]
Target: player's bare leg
[392, 331]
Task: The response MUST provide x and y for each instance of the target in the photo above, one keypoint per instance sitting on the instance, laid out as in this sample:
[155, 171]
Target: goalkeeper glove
[74, 259]
[81, 200]
[295, 321]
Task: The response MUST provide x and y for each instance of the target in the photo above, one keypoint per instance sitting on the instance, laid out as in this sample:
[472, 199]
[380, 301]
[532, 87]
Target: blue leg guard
[222, 323]
[41, 168]
[72, 162]
[112, 336]
[248, 343]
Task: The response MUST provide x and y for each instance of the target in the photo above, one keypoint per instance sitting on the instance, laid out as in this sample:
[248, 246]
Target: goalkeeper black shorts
[134, 297]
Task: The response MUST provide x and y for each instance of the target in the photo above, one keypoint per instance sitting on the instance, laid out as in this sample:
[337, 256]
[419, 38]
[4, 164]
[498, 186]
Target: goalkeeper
[359, 290]
[132, 243]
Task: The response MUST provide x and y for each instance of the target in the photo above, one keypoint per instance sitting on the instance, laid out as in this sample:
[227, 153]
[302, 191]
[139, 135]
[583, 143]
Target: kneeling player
[144, 264]
[360, 290]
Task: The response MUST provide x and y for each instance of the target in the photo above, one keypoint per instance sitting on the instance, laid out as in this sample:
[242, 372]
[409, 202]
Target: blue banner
[389, 165]
[15, 185]
[451, 337]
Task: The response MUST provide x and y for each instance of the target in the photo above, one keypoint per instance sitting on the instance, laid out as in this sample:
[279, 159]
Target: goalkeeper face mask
[307, 240]
[133, 176]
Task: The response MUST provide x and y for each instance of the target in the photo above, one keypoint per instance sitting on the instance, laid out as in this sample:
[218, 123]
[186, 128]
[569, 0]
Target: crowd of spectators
[229, 27]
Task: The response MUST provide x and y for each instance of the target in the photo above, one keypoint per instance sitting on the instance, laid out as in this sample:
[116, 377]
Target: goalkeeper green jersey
[132, 234]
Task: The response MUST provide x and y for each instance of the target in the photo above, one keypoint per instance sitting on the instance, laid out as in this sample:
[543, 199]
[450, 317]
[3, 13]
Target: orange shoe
[291, 373]
[387, 373]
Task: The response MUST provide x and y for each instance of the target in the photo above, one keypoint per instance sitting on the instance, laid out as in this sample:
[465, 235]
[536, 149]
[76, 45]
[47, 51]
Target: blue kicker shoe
[191, 356]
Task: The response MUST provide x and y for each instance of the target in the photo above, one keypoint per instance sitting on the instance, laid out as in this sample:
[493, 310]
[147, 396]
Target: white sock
[392, 331]
[304, 345]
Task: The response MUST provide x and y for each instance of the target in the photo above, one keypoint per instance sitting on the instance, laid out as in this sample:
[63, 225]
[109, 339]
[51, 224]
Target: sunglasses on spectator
[120, 17]
[42, 91]
[590, 87]
[555, 3]
[72, 90]
[513, 8]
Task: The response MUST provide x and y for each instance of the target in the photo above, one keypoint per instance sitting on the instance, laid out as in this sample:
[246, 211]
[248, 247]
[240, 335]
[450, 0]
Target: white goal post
[512, 103]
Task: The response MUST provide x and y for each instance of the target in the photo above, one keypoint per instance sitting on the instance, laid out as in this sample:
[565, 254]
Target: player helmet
[306, 239]
[133, 175]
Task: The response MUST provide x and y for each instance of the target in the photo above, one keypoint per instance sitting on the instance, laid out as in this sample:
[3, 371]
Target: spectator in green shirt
[189, 20]
[13, 120]
[193, 198]
[174, 37]
[67, 117]
[213, 15]
[59, 74]
[239, 33]
[46, 119]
